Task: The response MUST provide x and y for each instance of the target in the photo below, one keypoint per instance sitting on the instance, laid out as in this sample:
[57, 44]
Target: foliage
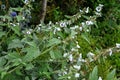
[72, 48]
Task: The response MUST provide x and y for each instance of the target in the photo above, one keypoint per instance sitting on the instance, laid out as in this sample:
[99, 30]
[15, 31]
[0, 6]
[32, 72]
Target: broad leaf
[16, 29]
[111, 75]
[94, 74]
[16, 43]
[2, 34]
[32, 53]
[53, 41]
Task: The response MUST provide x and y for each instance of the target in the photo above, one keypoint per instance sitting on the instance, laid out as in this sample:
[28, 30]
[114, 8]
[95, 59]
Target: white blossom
[98, 14]
[65, 54]
[83, 24]
[89, 23]
[26, 1]
[77, 67]
[76, 26]
[81, 10]
[99, 8]
[87, 30]
[64, 72]
[23, 18]
[73, 49]
[58, 29]
[80, 58]
[69, 77]
[101, 5]
[99, 78]
[28, 32]
[77, 75]
[62, 24]
[78, 46]
[54, 31]
[80, 28]
[90, 55]
[87, 10]
[38, 28]
[117, 45]
[110, 52]
[14, 24]
[70, 57]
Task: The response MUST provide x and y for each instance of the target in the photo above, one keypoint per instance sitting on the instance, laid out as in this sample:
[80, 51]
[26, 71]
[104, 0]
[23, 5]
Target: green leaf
[2, 61]
[3, 74]
[84, 36]
[31, 44]
[27, 78]
[73, 33]
[52, 54]
[32, 53]
[16, 29]
[29, 66]
[17, 9]
[2, 34]
[14, 57]
[16, 43]
[111, 75]
[53, 41]
[94, 74]
[19, 18]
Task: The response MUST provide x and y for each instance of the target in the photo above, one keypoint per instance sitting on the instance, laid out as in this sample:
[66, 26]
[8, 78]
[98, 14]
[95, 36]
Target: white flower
[77, 75]
[18, 23]
[28, 32]
[89, 23]
[26, 1]
[76, 26]
[87, 30]
[54, 31]
[99, 78]
[87, 10]
[101, 5]
[80, 58]
[78, 46]
[73, 28]
[65, 54]
[117, 45]
[38, 28]
[80, 28]
[50, 22]
[83, 24]
[97, 13]
[69, 77]
[64, 72]
[81, 10]
[73, 49]
[77, 67]
[99, 8]
[62, 24]
[90, 54]
[58, 29]
[23, 18]
[14, 25]
[70, 57]
[110, 52]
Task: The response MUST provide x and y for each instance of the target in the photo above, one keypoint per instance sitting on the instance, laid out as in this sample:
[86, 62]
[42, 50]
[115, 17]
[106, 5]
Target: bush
[66, 49]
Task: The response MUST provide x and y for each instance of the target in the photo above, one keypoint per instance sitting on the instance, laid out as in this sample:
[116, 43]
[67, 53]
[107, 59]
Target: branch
[43, 12]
